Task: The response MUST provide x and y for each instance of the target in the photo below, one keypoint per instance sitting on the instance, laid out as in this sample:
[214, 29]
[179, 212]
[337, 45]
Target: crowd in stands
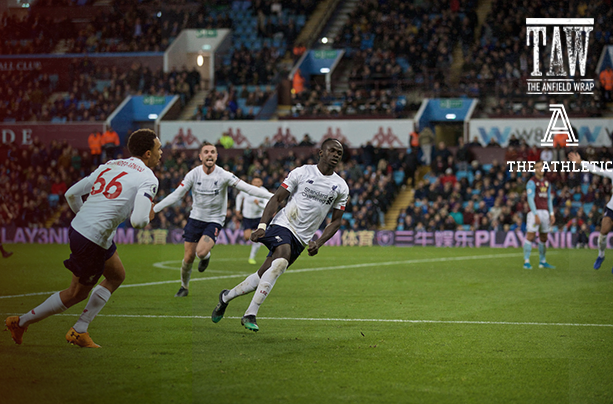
[459, 193]
[33, 181]
[498, 64]
[462, 194]
[230, 103]
[249, 67]
[392, 47]
[317, 102]
[31, 34]
[94, 94]
[400, 40]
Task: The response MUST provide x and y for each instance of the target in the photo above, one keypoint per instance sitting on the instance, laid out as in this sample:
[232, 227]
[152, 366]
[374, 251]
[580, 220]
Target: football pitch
[350, 325]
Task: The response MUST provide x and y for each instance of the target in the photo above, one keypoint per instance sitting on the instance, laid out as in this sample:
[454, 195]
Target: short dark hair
[140, 141]
[330, 139]
[206, 143]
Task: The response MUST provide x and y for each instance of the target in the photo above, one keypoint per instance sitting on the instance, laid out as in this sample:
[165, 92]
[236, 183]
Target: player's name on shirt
[126, 164]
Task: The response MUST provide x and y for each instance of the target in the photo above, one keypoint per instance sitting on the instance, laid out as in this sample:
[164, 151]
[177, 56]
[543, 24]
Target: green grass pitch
[351, 325]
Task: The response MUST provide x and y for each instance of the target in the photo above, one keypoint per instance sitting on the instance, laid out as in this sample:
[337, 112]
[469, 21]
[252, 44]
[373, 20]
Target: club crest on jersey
[309, 181]
[334, 187]
[279, 239]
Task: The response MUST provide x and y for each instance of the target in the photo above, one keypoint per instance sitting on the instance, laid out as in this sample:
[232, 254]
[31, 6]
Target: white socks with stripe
[186, 273]
[53, 305]
[602, 244]
[246, 286]
[268, 280]
[100, 295]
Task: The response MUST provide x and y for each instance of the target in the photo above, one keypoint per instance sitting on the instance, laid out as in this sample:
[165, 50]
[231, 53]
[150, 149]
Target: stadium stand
[501, 90]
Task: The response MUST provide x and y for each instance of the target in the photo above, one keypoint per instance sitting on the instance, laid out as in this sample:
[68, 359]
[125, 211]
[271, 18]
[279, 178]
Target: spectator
[95, 147]
[426, 139]
[226, 141]
[110, 143]
[306, 141]
[606, 83]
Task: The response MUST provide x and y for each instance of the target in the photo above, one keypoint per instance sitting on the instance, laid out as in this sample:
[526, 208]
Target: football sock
[100, 295]
[254, 250]
[527, 250]
[53, 305]
[542, 250]
[602, 244]
[186, 273]
[246, 286]
[268, 280]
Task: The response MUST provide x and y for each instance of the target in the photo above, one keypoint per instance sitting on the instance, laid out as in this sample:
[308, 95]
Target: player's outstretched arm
[172, 198]
[75, 192]
[329, 231]
[252, 190]
[574, 156]
[270, 210]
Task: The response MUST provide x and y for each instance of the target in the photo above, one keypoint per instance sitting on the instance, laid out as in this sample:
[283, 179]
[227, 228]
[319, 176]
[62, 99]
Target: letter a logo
[559, 113]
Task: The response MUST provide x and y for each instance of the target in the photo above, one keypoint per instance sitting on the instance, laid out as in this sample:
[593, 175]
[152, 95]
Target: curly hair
[140, 141]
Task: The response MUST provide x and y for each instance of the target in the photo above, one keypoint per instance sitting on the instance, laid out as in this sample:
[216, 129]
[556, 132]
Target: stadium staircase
[336, 24]
[403, 199]
[483, 9]
[315, 24]
[192, 106]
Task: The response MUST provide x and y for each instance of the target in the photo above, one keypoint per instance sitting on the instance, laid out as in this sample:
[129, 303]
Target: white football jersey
[312, 196]
[114, 186]
[252, 206]
[209, 194]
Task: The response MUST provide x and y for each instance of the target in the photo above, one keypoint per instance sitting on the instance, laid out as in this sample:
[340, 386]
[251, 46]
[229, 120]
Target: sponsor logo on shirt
[317, 196]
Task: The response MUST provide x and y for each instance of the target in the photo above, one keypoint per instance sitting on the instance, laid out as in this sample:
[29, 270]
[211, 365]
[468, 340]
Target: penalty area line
[290, 271]
[350, 320]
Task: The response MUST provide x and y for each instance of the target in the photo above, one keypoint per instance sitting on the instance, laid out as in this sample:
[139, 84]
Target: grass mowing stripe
[348, 320]
[370, 264]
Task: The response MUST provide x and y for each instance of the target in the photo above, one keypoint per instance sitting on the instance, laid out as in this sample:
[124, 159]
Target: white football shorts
[544, 227]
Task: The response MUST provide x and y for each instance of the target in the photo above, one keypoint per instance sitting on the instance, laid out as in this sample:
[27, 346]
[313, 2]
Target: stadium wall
[590, 131]
[22, 134]
[387, 133]
[360, 238]
[60, 65]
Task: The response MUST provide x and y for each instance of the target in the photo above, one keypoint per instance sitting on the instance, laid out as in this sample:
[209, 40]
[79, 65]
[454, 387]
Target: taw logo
[559, 125]
[560, 80]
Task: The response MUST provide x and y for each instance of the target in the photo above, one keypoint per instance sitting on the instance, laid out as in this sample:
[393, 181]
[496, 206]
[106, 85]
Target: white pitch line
[349, 320]
[164, 264]
[370, 264]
